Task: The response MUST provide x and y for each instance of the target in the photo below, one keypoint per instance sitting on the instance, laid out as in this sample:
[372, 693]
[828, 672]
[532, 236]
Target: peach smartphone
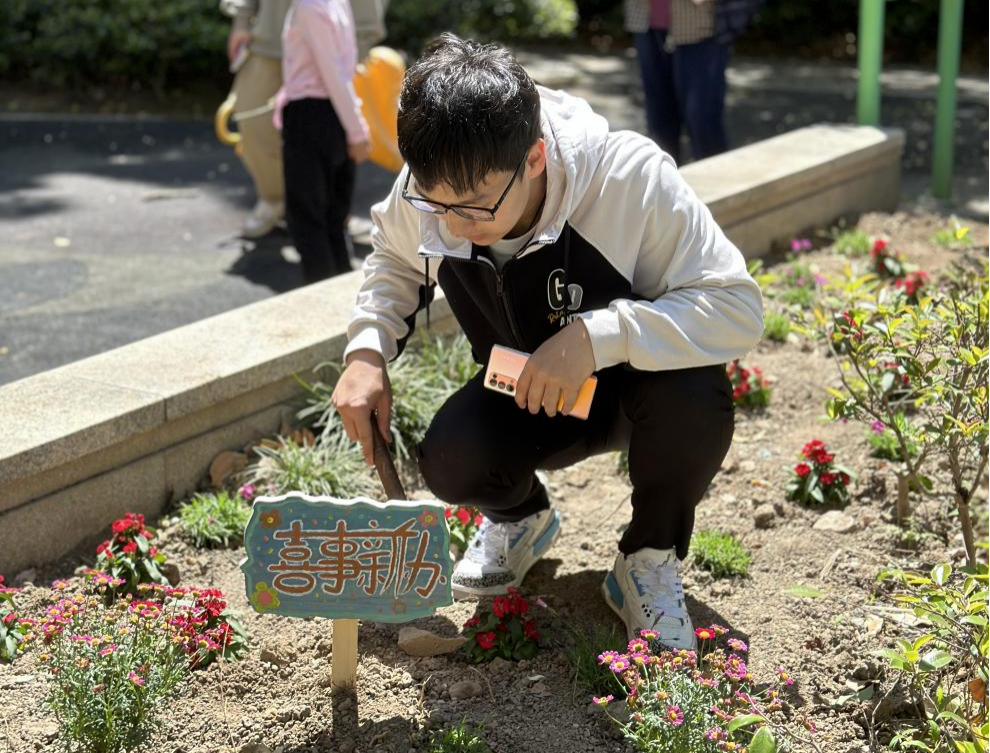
[505, 366]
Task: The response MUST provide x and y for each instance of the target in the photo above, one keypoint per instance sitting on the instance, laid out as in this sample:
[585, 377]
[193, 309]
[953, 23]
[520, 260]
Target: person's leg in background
[338, 211]
[699, 76]
[663, 116]
[261, 146]
[306, 180]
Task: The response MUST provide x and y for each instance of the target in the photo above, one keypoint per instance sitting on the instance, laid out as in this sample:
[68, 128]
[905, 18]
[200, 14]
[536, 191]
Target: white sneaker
[500, 554]
[645, 590]
[263, 218]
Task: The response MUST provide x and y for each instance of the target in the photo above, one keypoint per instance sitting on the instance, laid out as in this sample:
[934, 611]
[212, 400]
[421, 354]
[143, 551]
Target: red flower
[844, 479]
[529, 628]
[812, 447]
[500, 607]
[130, 548]
[802, 469]
[879, 246]
[103, 547]
[473, 622]
[485, 640]
[704, 634]
[478, 518]
[463, 515]
[448, 512]
[9, 618]
[827, 478]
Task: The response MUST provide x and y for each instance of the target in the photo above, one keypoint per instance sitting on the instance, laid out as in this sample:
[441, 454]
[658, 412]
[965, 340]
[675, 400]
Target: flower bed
[809, 602]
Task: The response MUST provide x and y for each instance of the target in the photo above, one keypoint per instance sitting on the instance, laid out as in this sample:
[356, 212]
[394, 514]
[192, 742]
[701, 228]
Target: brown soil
[285, 702]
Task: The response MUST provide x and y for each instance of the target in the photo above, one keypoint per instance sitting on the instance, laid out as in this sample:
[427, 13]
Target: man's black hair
[466, 110]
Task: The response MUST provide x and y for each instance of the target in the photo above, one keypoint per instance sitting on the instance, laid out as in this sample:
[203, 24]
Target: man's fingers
[384, 416]
[534, 397]
[551, 398]
[364, 437]
[566, 401]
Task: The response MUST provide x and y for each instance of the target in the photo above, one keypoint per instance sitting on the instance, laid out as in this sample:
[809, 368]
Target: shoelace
[492, 538]
[662, 582]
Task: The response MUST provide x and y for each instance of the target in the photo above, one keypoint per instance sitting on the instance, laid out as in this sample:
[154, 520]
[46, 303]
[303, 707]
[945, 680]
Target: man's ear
[536, 159]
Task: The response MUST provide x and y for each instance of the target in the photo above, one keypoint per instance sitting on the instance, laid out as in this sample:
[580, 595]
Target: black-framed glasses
[478, 214]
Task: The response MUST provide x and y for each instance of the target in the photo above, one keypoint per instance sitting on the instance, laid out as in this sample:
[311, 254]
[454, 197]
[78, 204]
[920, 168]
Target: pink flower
[135, 678]
[877, 426]
[606, 657]
[603, 700]
[737, 645]
[248, 491]
[674, 715]
[784, 676]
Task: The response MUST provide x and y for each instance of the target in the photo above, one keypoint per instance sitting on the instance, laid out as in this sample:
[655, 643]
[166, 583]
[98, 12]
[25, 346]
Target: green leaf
[935, 660]
[941, 573]
[763, 742]
[802, 591]
[747, 720]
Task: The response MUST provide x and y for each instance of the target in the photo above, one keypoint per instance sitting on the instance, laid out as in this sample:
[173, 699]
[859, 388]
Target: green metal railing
[870, 42]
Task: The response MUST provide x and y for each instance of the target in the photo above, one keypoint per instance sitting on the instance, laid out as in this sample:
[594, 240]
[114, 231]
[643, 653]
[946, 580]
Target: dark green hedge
[167, 42]
[74, 43]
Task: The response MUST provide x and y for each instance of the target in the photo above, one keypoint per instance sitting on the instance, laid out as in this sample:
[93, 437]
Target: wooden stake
[344, 659]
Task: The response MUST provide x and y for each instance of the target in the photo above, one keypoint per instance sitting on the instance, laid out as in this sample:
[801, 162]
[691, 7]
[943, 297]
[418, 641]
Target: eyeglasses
[478, 214]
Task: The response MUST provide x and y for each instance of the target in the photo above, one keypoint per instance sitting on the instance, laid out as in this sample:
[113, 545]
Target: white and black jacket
[624, 243]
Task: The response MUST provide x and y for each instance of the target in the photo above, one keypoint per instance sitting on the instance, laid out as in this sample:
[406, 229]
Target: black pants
[319, 182]
[481, 449]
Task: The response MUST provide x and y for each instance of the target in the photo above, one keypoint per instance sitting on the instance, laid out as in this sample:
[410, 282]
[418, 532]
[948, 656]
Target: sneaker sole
[543, 544]
[607, 585]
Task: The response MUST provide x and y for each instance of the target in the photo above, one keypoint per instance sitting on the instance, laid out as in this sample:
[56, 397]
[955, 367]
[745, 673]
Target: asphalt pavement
[115, 229]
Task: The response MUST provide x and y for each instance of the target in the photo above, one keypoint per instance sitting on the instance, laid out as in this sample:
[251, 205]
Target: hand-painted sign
[347, 559]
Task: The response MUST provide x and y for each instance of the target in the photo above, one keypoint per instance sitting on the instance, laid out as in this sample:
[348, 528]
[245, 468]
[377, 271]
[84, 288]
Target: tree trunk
[903, 506]
[962, 505]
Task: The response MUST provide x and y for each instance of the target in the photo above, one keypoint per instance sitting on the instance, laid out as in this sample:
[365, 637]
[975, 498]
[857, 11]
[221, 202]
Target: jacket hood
[575, 138]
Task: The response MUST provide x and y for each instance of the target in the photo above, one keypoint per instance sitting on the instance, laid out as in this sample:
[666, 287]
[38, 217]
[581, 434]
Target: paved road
[112, 230]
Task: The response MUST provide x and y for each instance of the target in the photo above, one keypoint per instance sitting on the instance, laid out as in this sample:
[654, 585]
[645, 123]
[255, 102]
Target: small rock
[171, 572]
[764, 516]
[254, 748]
[498, 664]
[532, 679]
[539, 689]
[465, 689]
[836, 521]
[747, 466]
[417, 642]
[225, 465]
[270, 656]
[16, 680]
[24, 577]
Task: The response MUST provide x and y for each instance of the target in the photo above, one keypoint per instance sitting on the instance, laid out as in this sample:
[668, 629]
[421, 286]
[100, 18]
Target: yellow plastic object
[221, 124]
[378, 82]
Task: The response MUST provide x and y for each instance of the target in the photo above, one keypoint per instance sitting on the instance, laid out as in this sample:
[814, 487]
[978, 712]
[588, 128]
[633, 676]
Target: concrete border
[136, 427]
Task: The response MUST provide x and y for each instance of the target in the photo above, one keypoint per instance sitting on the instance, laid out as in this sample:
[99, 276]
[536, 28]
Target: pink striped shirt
[318, 61]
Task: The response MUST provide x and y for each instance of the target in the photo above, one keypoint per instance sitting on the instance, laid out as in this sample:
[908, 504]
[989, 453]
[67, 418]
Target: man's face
[515, 210]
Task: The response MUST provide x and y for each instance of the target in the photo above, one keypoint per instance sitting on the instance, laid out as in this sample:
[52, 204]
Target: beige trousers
[255, 83]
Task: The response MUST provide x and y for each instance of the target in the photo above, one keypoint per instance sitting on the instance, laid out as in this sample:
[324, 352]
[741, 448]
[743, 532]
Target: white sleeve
[393, 277]
[699, 304]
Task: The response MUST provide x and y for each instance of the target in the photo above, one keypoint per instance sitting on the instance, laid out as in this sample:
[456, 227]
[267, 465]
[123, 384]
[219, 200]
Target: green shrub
[795, 285]
[215, 519]
[412, 23]
[88, 42]
[853, 243]
[885, 444]
[953, 235]
[458, 739]
[110, 672]
[945, 666]
[333, 467]
[776, 326]
[721, 554]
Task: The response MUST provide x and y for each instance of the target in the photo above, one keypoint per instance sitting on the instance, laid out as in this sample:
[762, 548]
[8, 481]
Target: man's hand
[359, 152]
[362, 389]
[235, 40]
[557, 370]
